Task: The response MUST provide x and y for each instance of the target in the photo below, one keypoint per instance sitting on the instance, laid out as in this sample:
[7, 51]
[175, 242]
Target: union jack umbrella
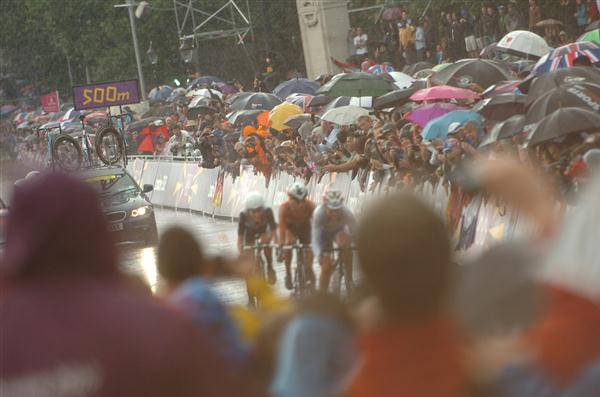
[300, 100]
[381, 69]
[563, 57]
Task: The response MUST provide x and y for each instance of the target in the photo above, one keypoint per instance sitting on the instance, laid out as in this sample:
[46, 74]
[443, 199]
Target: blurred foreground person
[71, 324]
[414, 349]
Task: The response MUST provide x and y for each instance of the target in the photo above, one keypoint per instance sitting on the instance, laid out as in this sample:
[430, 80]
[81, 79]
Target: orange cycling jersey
[299, 214]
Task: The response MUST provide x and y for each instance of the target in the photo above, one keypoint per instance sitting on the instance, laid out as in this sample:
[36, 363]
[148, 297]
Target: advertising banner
[51, 102]
[100, 95]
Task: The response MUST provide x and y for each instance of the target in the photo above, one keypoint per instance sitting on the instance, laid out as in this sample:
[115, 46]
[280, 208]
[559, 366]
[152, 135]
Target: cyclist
[257, 225]
[332, 221]
[295, 215]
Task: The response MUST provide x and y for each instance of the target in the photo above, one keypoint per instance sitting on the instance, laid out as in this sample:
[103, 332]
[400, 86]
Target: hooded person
[71, 324]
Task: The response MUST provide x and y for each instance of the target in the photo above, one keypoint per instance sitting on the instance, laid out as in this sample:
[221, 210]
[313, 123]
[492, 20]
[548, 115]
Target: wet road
[216, 236]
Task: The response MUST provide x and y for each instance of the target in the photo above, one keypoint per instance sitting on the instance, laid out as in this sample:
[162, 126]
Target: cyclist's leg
[343, 241]
[250, 240]
[290, 239]
[266, 238]
[304, 236]
[326, 244]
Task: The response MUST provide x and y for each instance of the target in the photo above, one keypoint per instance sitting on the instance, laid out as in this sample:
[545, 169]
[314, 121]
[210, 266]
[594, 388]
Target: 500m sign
[105, 94]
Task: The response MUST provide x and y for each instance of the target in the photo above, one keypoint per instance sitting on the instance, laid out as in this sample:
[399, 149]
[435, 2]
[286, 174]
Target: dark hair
[404, 252]
[179, 255]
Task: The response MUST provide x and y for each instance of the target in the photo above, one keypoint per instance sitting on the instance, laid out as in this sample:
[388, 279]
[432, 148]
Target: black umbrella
[255, 101]
[563, 122]
[398, 97]
[506, 129]
[593, 25]
[239, 116]
[238, 95]
[583, 95]
[536, 86]
[320, 100]
[415, 67]
[501, 107]
[363, 102]
[490, 51]
[143, 123]
[297, 120]
[483, 72]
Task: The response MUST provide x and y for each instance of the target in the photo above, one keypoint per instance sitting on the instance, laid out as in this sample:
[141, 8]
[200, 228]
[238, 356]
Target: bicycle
[109, 146]
[300, 281]
[339, 273]
[259, 266]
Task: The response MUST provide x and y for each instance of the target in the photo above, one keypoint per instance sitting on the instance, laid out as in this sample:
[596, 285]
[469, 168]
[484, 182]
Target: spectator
[581, 15]
[469, 32]
[404, 252]
[502, 15]
[361, 42]
[181, 142]
[535, 14]
[101, 336]
[420, 41]
[512, 18]
[490, 26]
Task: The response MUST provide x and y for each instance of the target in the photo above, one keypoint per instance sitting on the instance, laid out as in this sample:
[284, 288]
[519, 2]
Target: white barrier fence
[184, 185]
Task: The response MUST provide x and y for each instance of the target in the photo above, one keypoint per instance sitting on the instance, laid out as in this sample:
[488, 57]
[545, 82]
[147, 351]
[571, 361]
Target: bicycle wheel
[67, 153]
[110, 146]
[300, 282]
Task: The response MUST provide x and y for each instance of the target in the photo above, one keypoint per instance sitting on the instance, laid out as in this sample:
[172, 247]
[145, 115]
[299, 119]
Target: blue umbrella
[160, 93]
[204, 80]
[297, 85]
[438, 128]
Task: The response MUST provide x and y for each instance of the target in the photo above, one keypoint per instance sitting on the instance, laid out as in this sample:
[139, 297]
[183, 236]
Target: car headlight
[141, 211]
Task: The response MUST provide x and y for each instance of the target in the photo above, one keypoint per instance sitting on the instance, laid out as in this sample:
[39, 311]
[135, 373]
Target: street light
[186, 49]
[153, 57]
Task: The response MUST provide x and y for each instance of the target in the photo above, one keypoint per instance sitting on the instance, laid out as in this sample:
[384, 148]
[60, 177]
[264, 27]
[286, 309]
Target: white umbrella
[205, 92]
[402, 80]
[523, 42]
[344, 115]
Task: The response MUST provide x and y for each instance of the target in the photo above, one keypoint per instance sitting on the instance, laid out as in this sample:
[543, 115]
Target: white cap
[454, 127]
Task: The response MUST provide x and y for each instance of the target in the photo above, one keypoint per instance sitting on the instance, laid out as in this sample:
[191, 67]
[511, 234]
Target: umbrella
[380, 69]
[424, 113]
[505, 129]
[523, 43]
[300, 100]
[415, 67]
[401, 80]
[297, 120]
[226, 88]
[280, 113]
[205, 92]
[563, 57]
[6, 109]
[362, 102]
[440, 67]
[357, 84]
[200, 101]
[537, 86]
[482, 72]
[501, 107]
[194, 112]
[176, 93]
[237, 95]
[438, 128]
[297, 85]
[549, 22]
[20, 117]
[592, 35]
[239, 116]
[443, 92]
[256, 100]
[344, 115]
[581, 95]
[320, 100]
[143, 123]
[204, 80]
[503, 87]
[160, 93]
[522, 65]
[563, 122]
[397, 97]
[423, 74]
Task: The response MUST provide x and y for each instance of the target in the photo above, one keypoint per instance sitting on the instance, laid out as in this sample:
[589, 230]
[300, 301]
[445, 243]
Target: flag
[218, 196]
[50, 102]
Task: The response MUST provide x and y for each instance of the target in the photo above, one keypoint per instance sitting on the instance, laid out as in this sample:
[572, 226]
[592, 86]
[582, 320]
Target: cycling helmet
[333, 199]
[32, 174]
[297, 190]
[254, 200]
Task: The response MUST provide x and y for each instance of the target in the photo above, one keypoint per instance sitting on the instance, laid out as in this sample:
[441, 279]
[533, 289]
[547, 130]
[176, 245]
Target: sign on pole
[51, 102]
[101, 95]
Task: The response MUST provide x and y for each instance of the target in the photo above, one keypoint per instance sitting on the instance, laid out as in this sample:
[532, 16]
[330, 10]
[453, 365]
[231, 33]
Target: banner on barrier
[218, 196]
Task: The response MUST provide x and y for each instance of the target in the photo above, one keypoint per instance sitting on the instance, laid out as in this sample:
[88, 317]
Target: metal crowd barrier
[180, 184]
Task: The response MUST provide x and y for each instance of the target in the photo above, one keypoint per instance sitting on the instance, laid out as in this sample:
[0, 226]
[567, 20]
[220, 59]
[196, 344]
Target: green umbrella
[441, 66]
[357, 85]
[592, 35]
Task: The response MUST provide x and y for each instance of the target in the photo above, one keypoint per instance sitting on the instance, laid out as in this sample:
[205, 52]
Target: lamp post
[130, 4]
[186, 49]
[153, 57]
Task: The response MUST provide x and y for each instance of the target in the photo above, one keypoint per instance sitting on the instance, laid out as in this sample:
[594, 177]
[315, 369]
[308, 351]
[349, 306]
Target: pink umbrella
[424, 113]
[443, 92]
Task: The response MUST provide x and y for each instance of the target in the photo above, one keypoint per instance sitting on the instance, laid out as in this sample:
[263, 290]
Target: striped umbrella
[563, 57]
